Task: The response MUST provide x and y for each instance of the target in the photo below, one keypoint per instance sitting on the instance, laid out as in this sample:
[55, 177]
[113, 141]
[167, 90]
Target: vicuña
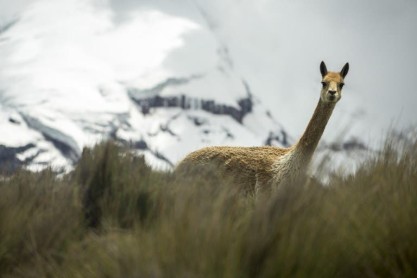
[266, 167]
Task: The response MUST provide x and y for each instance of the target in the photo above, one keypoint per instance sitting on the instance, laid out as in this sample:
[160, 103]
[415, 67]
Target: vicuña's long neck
[315, 128]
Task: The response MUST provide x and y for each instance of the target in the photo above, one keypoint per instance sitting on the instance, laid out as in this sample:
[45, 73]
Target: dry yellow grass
[115, 217]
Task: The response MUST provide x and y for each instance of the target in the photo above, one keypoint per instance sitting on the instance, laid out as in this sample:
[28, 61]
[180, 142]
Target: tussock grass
[116, 217]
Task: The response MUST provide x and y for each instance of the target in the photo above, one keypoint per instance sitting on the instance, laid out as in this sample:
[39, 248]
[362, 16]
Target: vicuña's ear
[323, 69]
[344, 70]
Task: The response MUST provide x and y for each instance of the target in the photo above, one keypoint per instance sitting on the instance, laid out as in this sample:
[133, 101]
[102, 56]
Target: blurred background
[167, 77]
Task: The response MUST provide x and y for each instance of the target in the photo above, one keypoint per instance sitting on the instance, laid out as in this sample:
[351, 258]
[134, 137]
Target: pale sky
[277, 47]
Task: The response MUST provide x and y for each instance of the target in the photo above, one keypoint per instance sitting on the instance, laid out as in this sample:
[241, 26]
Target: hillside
[116, 217]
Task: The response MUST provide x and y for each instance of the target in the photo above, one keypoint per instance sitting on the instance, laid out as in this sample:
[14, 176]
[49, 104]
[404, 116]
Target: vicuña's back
[260, 168]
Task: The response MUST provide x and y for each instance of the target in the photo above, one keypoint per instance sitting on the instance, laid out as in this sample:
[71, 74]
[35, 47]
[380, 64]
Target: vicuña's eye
[324, 84]
[341, 85]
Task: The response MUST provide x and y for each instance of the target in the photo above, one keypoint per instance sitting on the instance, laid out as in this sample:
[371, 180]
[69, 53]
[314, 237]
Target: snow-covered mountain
[84, 79]
[71, 75]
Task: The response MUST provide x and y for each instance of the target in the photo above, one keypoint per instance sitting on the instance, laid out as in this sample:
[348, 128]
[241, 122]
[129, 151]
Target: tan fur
[262, 168]
[250, 166]
[333, 76]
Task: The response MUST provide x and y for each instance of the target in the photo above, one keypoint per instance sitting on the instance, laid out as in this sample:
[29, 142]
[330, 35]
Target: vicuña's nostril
[332, 93]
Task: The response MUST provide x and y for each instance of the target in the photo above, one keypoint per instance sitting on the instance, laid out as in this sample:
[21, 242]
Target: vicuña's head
[332, 83]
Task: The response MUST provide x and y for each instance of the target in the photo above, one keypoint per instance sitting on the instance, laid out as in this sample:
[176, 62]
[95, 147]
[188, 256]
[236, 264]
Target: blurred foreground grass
[115, 217]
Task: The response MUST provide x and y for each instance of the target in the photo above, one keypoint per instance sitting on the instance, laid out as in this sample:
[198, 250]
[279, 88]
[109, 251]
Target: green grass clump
[116, 217]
